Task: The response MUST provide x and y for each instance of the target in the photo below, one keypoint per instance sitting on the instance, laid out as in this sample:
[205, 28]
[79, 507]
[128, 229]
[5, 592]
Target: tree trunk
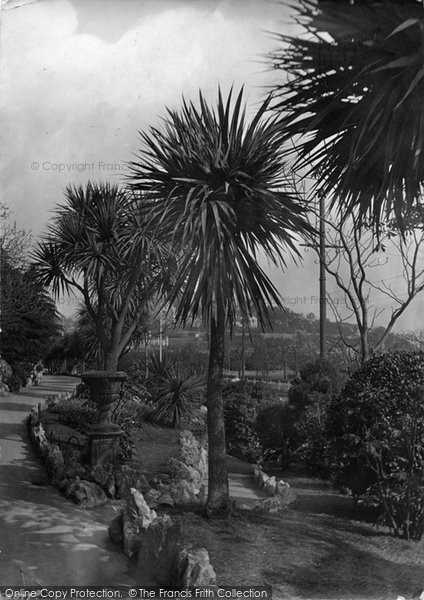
[111, 360]
[365, 347]
[218, 501]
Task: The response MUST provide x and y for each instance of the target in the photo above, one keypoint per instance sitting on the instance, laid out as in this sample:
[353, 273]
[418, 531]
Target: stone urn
[105, 387]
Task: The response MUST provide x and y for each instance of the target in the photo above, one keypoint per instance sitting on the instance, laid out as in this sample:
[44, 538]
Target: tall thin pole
[322, 281]
[242, 348]
[160, 336]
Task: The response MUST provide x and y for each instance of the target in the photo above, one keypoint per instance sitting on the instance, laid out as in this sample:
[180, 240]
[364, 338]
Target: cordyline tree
[217, 194]
[351, 93]
[98, 244]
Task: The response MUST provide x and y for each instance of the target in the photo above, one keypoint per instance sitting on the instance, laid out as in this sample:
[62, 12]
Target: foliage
[71, 351]
[189, 356]
[304, 430]
[132, 362]
[353, 103]
[376, 429]
[78, 413]
[270, 427]
[21, 371]
[130, 410]
[242, 402]
[29, 320]
[5, 369]
[217, 189]
[98, 245]
[217, 192]
[15, 243]
[174, 390]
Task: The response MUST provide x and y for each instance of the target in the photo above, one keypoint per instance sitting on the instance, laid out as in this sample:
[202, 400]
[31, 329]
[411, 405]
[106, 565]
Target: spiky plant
[217, 193]
[98, 245]
[351, 93]
[176, 390]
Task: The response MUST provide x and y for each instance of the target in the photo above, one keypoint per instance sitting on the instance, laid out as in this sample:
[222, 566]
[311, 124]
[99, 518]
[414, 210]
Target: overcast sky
[80, 78]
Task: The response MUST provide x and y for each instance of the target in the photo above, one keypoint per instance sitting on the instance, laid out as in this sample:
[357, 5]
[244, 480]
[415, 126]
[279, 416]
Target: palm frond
[353, 104]
[217, 191]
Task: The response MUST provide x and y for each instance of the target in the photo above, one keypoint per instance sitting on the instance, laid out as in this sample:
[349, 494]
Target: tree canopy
[352, 100]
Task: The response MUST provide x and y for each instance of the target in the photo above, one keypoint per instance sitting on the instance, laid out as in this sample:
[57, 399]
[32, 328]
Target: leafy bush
[76, 413]
[5, 369]
[242, 402]
[304, 432]
[128, 413]
[270, 430]
[376, 433]
[19, 377]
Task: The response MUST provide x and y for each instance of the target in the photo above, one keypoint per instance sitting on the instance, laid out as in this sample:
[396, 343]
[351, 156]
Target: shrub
[174, 391]
[19, 377]
[242, 402]
[270, 425]
[376, 433]
[305, 417]
[5, 369]
[175, 396]
[76, 413]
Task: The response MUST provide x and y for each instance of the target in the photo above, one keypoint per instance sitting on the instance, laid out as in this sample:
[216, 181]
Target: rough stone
[130, 533]
[195, 569]
[136, 517]
[115, 529]
[272, 505]
[127, 478]
[158, 551]
[257, 475]
[180, 470]
[87, 493]
[166, 500]
[183, 492]
[55, 465]
[152, 496]
[39, 440]
[285, 492]
[137, 502]
[270, 486]
[189, 449]
[73, 466]
[103, 475]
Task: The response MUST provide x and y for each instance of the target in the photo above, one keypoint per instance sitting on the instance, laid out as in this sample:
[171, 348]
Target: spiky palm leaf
[175, 390]
[98, 243]
[217, 190]
[353, 105]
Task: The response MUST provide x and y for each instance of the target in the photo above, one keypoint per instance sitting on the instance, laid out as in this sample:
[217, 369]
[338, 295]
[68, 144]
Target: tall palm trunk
[218, 495]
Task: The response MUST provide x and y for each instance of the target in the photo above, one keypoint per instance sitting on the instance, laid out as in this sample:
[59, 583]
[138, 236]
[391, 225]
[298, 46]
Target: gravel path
[44, 539]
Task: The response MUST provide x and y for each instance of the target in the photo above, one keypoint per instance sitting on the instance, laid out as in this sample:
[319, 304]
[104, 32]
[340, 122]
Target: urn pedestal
[105, 387]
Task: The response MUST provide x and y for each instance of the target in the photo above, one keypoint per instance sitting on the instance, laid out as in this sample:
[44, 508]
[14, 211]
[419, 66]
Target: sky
[80, 78]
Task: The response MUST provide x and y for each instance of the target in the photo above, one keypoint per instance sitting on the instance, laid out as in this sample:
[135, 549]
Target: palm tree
[352, 100]
[217, 194]
[98, 245]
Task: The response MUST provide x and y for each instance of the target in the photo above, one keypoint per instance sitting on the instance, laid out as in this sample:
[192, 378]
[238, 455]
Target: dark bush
[243, 400]
[270, 424]
[78, 413]
[21, 371]
[305, 417]
[376, 433]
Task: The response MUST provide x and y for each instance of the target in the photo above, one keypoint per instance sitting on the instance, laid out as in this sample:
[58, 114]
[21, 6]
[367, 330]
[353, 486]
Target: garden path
[44, 539]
